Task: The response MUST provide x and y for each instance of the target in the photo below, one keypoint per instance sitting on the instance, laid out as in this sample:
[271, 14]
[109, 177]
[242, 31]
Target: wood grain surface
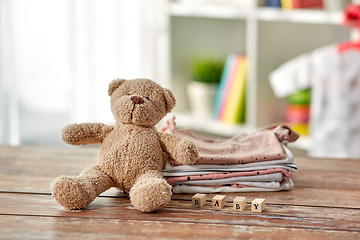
[323, 205]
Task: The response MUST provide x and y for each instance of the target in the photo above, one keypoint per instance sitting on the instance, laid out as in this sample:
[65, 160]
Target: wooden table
[323, 205]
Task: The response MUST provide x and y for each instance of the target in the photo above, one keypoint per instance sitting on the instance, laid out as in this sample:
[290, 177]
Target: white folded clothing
[219, 168]
[287, 184]
[271, 185]
[272, 177]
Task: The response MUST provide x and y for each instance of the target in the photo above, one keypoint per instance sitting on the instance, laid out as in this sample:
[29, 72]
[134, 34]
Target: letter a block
[258, 205]
[199, 200]
[239, 203]
[218, 202]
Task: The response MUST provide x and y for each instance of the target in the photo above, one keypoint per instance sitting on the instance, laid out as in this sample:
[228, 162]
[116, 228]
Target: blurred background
[57, 58]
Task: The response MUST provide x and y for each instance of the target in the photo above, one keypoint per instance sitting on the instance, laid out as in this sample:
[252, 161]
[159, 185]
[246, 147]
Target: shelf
[299, 16]
[302, 143]
[180, 9]
[210, 126]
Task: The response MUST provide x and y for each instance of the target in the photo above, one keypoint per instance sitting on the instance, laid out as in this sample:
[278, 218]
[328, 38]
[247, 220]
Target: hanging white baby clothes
[334, 77]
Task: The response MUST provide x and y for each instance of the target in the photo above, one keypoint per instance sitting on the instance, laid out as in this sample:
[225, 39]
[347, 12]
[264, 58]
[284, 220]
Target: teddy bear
[131, 151]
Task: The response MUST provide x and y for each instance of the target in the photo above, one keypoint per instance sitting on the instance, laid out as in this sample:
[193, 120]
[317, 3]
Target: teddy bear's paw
[150, 194]
[187, 152]
[72, 133]
[68, 193]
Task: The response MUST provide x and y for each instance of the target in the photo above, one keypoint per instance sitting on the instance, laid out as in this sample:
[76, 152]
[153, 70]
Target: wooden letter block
[218, 202]
[239, 203]
[258, 205]
[199, 200]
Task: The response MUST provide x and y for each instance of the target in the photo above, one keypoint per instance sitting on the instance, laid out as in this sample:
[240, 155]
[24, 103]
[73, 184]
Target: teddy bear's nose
[137, 100]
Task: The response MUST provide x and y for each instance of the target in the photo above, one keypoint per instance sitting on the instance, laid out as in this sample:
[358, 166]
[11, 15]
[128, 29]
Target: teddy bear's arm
[180, 149]
[85, 133]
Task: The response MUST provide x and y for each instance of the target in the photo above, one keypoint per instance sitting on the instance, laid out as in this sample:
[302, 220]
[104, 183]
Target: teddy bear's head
[140, 102]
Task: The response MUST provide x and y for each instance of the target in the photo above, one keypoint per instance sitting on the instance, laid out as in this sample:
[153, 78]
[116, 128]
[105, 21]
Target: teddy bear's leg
[77, 192]
[150, 192]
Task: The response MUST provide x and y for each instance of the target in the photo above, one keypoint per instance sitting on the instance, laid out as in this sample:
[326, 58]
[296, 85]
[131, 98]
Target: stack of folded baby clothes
[245, 163]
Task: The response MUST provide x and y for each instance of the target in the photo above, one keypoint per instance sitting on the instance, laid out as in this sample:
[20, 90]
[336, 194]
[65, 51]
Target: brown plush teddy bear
[131, 153]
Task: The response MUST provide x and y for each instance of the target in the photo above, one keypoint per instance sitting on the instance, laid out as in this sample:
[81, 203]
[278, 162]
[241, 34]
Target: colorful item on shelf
[294, 4]
[301, 128]
[226, 80]
[235, 105]
[301, 97]
[297, 113]
[352, 16]
[273, 3]
[230, 100]
[351, 19]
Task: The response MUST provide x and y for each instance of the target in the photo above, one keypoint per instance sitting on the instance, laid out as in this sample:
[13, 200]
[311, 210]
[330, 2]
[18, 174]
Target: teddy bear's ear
[170, 100]
[114, 85]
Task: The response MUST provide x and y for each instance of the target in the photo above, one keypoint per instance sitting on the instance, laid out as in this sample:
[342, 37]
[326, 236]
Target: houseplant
[205, 75]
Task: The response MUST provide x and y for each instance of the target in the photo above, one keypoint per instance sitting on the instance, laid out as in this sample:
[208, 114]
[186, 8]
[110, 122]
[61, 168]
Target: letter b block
[218, 202]
[199, 200]
[239, 203]
[258, 205]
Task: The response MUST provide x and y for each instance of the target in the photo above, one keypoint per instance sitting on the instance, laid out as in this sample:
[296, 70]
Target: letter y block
[258, 205]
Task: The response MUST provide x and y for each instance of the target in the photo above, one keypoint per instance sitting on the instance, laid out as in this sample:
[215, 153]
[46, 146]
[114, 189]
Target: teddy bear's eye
[147, 98]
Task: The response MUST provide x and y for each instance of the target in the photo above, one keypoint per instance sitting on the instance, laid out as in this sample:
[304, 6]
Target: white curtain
[57, 58]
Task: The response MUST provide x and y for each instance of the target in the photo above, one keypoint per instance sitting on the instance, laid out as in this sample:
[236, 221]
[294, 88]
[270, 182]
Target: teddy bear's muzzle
[137, 100]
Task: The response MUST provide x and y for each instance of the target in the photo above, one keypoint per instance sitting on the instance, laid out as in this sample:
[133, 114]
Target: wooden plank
[333, 165]
[327, 173]
[280, 216]
[49, 166]
[38, 185]
[330, 179]
[25, 184]
[297, 196]
[35, 152]
[25, 227]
